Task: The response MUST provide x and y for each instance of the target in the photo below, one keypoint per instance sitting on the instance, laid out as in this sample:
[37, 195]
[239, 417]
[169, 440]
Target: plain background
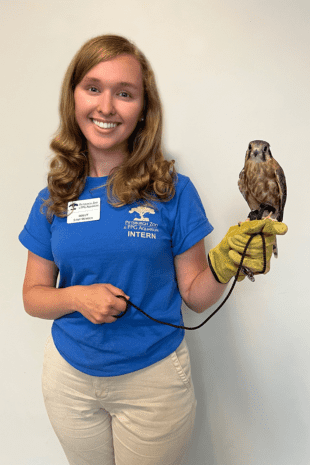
[228, 72]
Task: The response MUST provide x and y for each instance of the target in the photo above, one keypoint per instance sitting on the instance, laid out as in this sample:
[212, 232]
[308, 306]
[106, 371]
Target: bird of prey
[262, 183]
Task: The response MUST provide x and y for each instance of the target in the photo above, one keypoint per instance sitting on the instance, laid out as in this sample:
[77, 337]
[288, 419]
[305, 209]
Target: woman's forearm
[48, 302]
[204, 292]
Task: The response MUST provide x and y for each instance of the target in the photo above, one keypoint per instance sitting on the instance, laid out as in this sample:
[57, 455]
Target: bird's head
[258, 151]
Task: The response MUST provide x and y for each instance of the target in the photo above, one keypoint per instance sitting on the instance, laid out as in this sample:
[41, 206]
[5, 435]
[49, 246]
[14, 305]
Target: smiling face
[109, 104]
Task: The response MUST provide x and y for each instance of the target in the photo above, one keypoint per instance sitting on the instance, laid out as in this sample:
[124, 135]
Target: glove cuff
[212, 269]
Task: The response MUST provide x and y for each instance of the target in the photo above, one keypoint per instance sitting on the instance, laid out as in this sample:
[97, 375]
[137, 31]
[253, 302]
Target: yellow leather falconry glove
[224, 259]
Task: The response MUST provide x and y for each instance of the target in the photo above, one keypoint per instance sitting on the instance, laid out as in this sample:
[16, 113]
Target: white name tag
[80, 211]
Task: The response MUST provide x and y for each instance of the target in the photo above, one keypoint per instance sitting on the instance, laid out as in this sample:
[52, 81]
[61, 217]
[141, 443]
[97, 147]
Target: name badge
[80, 211]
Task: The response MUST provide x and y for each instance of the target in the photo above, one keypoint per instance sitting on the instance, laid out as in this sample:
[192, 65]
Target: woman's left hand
[224, 259]
[254, 258]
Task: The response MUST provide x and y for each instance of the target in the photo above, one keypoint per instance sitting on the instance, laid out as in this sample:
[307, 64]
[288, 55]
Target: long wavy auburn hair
[144, 174]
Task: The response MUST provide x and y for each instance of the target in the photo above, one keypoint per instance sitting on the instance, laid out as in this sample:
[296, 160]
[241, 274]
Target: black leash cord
[220, 306]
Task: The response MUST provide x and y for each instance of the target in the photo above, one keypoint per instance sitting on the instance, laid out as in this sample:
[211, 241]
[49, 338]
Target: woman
[117, 220]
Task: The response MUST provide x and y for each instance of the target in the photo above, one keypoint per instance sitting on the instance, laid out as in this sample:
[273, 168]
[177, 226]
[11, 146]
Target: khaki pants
[141, 418]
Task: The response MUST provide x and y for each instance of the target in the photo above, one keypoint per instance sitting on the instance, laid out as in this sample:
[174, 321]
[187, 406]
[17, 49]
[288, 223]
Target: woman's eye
[124, 94]
[93, 89]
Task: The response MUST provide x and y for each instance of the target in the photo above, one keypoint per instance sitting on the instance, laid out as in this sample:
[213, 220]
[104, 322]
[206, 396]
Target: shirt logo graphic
[141, 226]
[142, 211]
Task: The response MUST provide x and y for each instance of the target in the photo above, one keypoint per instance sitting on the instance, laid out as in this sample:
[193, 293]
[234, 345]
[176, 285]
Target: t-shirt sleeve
[36, 235]
[191, 223]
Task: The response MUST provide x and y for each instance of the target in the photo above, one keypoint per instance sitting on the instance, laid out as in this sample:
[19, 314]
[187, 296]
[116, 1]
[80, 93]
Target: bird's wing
[241, 183]
[280, 178]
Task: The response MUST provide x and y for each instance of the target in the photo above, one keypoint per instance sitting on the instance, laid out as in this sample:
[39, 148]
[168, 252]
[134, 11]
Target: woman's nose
[105, 104]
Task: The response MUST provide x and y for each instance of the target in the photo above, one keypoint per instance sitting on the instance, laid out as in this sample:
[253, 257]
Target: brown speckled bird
[262, 183]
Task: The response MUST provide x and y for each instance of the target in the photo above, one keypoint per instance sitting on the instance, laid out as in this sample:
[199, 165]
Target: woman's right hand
[98, 302]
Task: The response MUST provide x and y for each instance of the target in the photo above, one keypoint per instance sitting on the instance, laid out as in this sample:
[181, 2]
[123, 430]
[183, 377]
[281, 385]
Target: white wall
[228, 72]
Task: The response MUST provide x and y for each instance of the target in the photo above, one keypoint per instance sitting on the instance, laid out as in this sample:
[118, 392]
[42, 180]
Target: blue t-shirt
[133, 249]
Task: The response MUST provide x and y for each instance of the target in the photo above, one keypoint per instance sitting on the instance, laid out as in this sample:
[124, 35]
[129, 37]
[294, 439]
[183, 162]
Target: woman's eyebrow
[128, 84]
[117, 84]
[90, 79]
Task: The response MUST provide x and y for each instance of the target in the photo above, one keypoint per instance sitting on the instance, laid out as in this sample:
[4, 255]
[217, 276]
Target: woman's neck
[101, 164]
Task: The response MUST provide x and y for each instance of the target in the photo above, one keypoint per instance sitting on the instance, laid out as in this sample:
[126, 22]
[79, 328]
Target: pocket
[49, 349]
[50, 363]
[48, 342]
[182, 363]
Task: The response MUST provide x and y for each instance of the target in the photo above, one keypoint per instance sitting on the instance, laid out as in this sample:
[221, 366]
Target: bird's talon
[240, 222]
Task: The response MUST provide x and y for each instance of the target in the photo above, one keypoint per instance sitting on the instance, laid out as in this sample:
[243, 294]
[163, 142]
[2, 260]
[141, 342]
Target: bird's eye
[265, 148]
[250, 147]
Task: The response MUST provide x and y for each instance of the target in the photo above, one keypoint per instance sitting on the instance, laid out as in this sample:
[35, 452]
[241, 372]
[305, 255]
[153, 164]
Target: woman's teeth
[105, 125]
